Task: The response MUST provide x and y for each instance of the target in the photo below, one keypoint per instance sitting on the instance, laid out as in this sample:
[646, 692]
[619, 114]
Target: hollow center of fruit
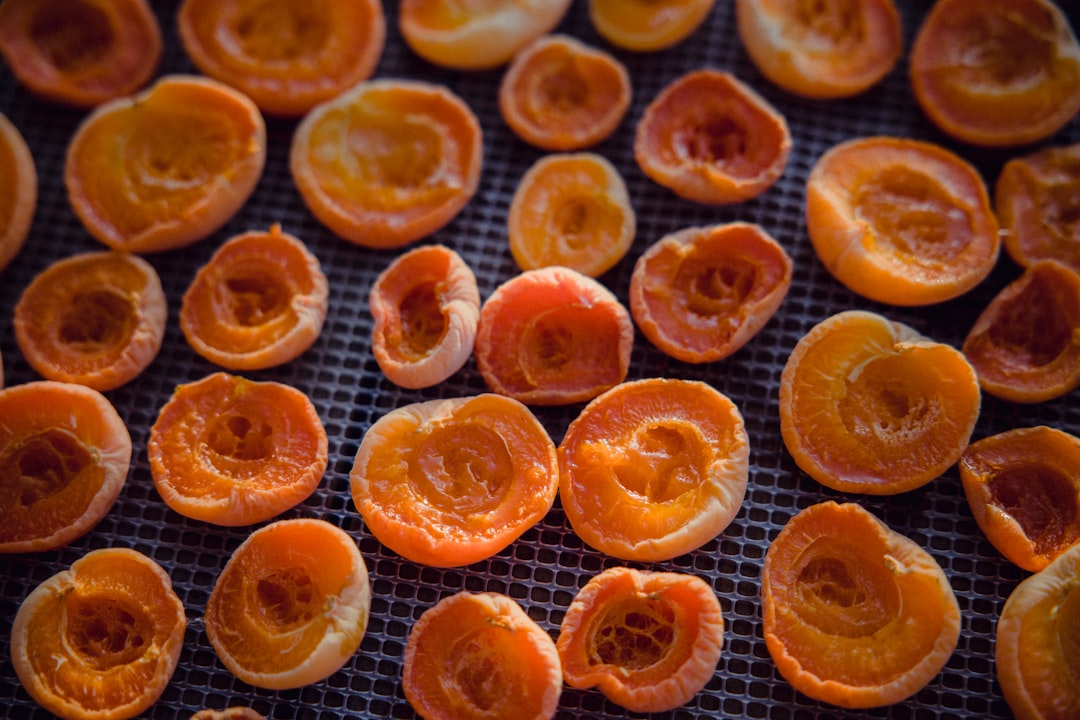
[43, 465]
[716, 140]
[480, 671]
[396, 153]
[255, 301]
[106, 633]
[1030, 329]
[661, 463]
[462, 469]
[72, 34]
[715, 290]
[548, 347]
[884, 408]
[238, 437]
[1043, 502]
[423, 323]
[843, 593]
[178, 151]
[633, 634]
[564, 91]
[276, 31]
[999, 49]
[97, 322]
[287, 598]
[837, 22]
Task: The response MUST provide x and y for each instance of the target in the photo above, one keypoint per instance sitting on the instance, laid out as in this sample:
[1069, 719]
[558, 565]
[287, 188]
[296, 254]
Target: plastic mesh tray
[545, 567]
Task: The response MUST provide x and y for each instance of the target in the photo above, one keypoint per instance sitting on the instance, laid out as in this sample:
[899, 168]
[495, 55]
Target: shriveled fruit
[1023, 487]
[233, 451]
[289, 55]
[18, 191]
[1025, 345]
[901, 221]
[387, 162]
[291, 605]
[868, 405]
[553, 336]
[451, 482]
[96, 319]
[101, 640]
[701, 293]
[654, 468]
[648, 25]
[426, 306]
[260, 301]
[648, 640]
[854, 613]
[474, 656]
[167, 167]
[572, 210]
[710, 138]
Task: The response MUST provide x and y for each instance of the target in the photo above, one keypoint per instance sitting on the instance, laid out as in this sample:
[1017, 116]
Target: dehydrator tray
[543, 569]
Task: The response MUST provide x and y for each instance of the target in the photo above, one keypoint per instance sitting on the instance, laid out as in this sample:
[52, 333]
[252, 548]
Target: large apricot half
[1023, 487]
[901, 221]
[871, 406]
[701, 293]
[854, 613]
[479, 655]
[287, 56]
[654, 468]
[100, 640]
[710, 138]
[18, 191]
[291, 605]
[451, 482]
[1025, 345]
[997, 73]
[648, 25]
[80, 52]
[388, 161]
[64, 457]
[96, 318]
[167, 167]
[648, 640]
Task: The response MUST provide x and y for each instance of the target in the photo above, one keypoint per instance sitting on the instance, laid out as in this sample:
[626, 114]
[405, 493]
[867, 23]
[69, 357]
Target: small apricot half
[701, 293]
[167, 167]
[291, 606]
[710, 138]
[479, 655]
[648, 25]
[18, 191]
[648, 640]
[654, 468]
[854, 613]
[870, 406]
[101, 639]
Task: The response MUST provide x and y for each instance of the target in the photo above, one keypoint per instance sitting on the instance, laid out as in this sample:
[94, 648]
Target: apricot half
[18, 191]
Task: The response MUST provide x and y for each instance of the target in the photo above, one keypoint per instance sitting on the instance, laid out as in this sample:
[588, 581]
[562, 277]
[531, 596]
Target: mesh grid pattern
[545, 567]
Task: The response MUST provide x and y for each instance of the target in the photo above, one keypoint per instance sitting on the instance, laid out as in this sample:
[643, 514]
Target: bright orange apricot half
[648, 25]
[100, 640]
[18, 191]
[648, 640]
[870, 406]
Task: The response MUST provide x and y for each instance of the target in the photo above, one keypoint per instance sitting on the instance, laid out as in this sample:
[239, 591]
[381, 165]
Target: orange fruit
[18, 191]
[237, 712]
[648, 25]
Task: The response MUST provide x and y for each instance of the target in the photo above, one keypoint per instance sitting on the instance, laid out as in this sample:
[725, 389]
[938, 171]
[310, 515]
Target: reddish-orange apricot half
[80, 52]
[18, 191]
[654, 468]
[100, 640]
[710, 138]
[701, 293]
[64, 456]
[870, 406]
[854, 613]
[291, 606]
[648, 640]
[648, 25]
[479, 655]
[167, 167]
[426, 306]
[1023, 487]
[96, 318]
[451, 482]
[287, 56]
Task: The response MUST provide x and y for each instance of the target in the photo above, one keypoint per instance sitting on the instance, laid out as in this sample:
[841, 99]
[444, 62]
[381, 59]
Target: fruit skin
[22, 182]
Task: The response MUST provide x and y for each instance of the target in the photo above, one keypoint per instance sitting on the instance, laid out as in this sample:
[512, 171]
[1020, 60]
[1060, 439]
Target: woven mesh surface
[545, 567]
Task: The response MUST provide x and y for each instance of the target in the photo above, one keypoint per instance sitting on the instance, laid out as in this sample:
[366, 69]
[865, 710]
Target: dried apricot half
[1023, 487]
[901, 221]
[167, 167]
[997, 73]
[388, 161]
[64, 456]
[868, 405]
[96, 318]
[648, 25]
[101, 639]
[648, 640]
[1025, 345]
[572, 210]
[18, 191]
[654, 468]
[259, 302]
[553, 336]
[426, 306]
[701, 293]
[291, 605]
[80, 52]
[560, 94]
[286, 56]
[480, 655]
[710, 138]
[236, 712]
[451, 482]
